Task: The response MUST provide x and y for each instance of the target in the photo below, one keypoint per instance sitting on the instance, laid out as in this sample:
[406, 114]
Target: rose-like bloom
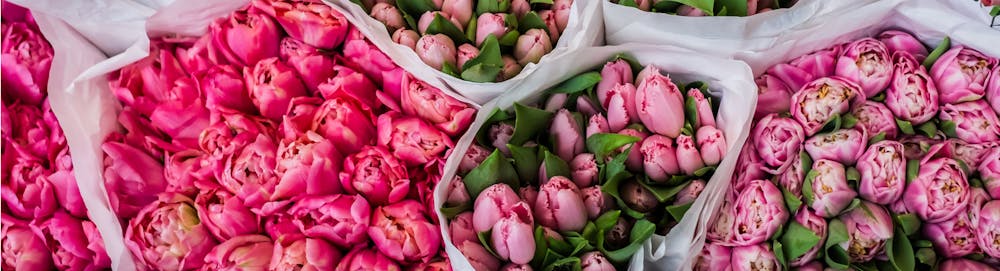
[246, 37]
[410, 139]
[181, 119]
[777, 140]
[369, 59]
[690, 192]
[346, 123]
[660, 104]
[883, 172]
[401, 232]
[584, 167]
[993, 88]
[867, 62]
[843, 146]
[953, 238]
[389, 16]
[961, 74]
[688, 157]
[821, 99]
[428, 17]
[169, 234]
[305, 166]
[347, 82]
[27, 57]
[711, 145]
[806, 68]
[595, 261]
[815, 223]
[67, 241]
[224, 214]
[559, 205]
[64, 182]
[791, 180]
[988, 228]
[759, 212]
[773, 96]
[461, 10]
[249, 171]
[460, 229]
[895, 41]
[964, 264]
[314, 23]
[23, 248]
[713, 256]
[939, 192]
[722, 225]
[305, 253]
[431, 104]
[613, 73]
[704, 109]
[466, 52]
[754, 257]
[223, 88]
[146, 83]
[975, 121]
[272, 86]
[875, 118]
[408, 38]
[375, 174]
[989, 171]
[659, 158]
[27, 192]
[749, 166]
[869, 227]
[341, 219]
[298, 120]
[246, 252]
[95, 244]
[912, 95]
[478, 256]
[500, 134]
[490, 24]
[491, 205]
[621, 106]
[972, 155]
[133, 179]
[33, 131]
[366, 258]
[513, 235]
[531, 46]
[510, 68]
[596, 201]
[830, 192]
[313, 66]
[436, 50]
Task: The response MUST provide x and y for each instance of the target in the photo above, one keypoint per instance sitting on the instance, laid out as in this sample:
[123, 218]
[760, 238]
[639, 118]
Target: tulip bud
[132, 177]
[638, 197]
[975, 121]
[883, 172]
[389, 16]
[513, 235]
[567, 135]
[659, 158]
[528, 194]
[829, 189]
[473, 157]
[491, 205]
[584, 167]
[346, 123]
[428, 17]
[617, 72]
[690, 192]
[659, 104]
[961, 74]
[510, 68]
[587, 107]
[520, 7]
[596, 201]
[461, 10]
[597, 124]
[843, 146]
[773, 96]
[912, 95]
[821, 99]
[759, 213]
[688, 157]
[560, 206]
[939, 192]
[685, 10]
[988, 228]
[478, 256]
[634, 160]
[436, 50]
[866, 61]
[713, 255]
[704, 109]
[712, 145]
[595, 261]
[461, 229]
[549, 17]
[869, 228]
[618, 236]
[531, 46]
[406, 37]
[754, 257]
[562, 9]
[516, 267]
[466, 52]
[490, 24]
[500, 134]
[401, 232]
[895, 40]
[556, 101]
[621, 107]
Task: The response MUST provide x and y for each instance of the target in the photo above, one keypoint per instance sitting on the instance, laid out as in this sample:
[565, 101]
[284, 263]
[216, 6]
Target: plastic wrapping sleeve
[729, 80]
[585, 28]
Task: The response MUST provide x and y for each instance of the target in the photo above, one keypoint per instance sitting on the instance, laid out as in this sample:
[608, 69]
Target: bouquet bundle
[876, 154]
[582, 179]
[478, 41]
[45, 224]
[280, 139]
[707, 8]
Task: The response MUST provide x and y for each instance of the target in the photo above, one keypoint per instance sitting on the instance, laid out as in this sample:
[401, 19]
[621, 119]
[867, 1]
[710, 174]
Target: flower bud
[491, 205]
[597, 124]
[773, 96]
[704, 109]
[621, 107]
[638, 197]
[436, 50]
[406, 37]
[596, 201]
[988, 228]
[617, 72]
[466, 52]
[618, 236]
[866, 61]
[490, 24]
[711, 145]
[659, 158]
[500, 134]
[634, 159]
[389, 16]
[531, 46]
[821, 99]
[713, 255]
[595, 261]
[461, 229]
[513, 235]
[759, 213]
[876, 119]
[660, 104]
[246, 37]
[401, 232]
[754, 257]
[869, 227]
[559, 205]
[567, 135]
[585, 171]
[272, 86]
[478, 256]
[510, 68]
[428, 17]
[690, 192]
[248, 252]
[912, 95]
[461, 10]
[688, 157]
[939, 192]
[562, 9]
[883, 172]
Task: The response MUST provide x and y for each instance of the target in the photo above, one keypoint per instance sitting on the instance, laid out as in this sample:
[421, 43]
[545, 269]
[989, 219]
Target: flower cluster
[708, 8]
[45, 223]
[868, 153]
[476, 40]
[581, 180]
[281, 139]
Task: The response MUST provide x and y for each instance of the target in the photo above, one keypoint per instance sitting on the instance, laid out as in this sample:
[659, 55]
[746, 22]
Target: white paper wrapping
[728, 79]
[585, 28]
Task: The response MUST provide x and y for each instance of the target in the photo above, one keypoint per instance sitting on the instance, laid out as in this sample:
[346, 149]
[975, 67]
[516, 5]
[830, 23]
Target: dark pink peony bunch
[868, 154]
[709, 8]
[281, 139]
[45, 223]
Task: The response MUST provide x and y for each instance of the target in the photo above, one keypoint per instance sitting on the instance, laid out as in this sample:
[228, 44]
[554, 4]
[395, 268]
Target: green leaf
[798, 240]
[832, 124]
[528, 122]
[875, 139]
[488, 173]
[578, 83]
[481, 73]
[949, 127]
[791, 201]
[779, 252]
[632, 62]
[641, 230]
[449, 69]
[677, 211]
[415, 8]
[853, 174]
[541, 246]
[453, 211]
[663, 193]
[909, 223]
[733, 7]
[938, 51]
[547, 2]
[531, 20]
[691, 111]
[879, 98]
[707, 6]
[995, 11]
[607, 220]
[603, 144]
[628, 3]
[484, 239]
[848, 121]
[926, 256]
[836, 256]
[912, 169]
[905, 126]
[665, 6]
[441, 25]
[923, 244]
[526, 162]
[489, 54]
[928, 129]
[807, 191]
[470, 30]
[510, 39]
[900, 252]
[555, 166]
[492, 6]
[569, 263]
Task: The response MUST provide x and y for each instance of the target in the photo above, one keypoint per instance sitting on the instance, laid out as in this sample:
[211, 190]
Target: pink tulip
[249, 171]
[559, 205]
[562, 10]
[830, 192]
[688, 157]
[595, 261]
[446, 113]
[660, 104]
[690, 192]
[516, 267]
[401, 232]
[461, 229]
[346, 123]
[528, 194]
[466, 52]
[246, 252]
[412, 140]
[229, 132]
[597, 124]
[712, 256]
[895, 41]
[500, 135]
[27, 57]
[510, 68]
[875, 118]
[843, 146]
[867, 62]
[389, 16]
[685, 10]
[406, 37]
[635, 157]
[952, 238]
[520, 7]
[224, 214]
[347, 82]
[133, 179]
[513, 235]
[759, 212]
[272, 86]
[436, 50]
[773, 96]
[621, 106]
[912, 95]
[989, 171]
[478, 256]
[617, 72]
[531, 46]
[596, 201]
[705, 115]
[428, 17]
[246, 37]
[491, 205]
[340, 219]
[313, 66]
[223, 88]
[778, 140]
[964, 264]
[712, 145]
[366, 258]
[961, 74]
[490, 24]
[659, 158]
[883, 172]
[305, 253]
[988, 228]
[146, 83]
[314, 23]
[23, 248]
[821, 99]
[169, 234]
[375, 174]
[585, 171]
[473, 157]
[869, 228]
[754, 257]
[549, 17]
[939, 192]
[33, 131]
[461, 10]
[975, 121]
